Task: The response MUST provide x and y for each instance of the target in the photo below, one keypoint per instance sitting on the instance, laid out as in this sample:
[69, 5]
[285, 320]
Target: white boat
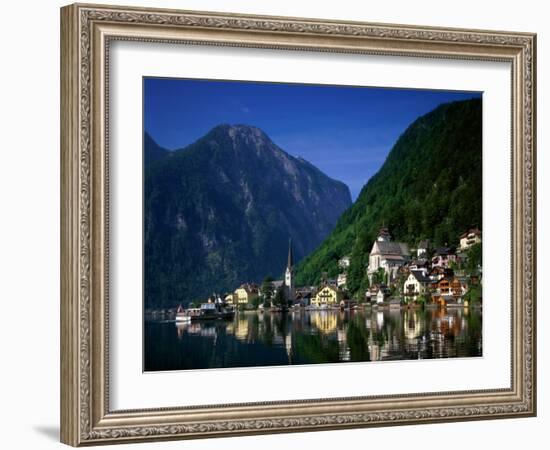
[182, 315]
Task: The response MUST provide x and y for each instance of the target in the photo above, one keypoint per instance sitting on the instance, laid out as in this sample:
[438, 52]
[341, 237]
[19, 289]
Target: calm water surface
[305, 337]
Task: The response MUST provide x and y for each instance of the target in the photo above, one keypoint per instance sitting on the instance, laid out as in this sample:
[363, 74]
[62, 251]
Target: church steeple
[384, 235]
[290, 262]
[289, 273]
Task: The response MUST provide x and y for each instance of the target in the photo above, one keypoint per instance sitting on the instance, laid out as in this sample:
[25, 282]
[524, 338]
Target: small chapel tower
[384, 235]
[289, 273]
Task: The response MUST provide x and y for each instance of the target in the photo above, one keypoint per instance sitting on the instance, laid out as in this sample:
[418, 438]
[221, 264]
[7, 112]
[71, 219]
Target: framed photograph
[276, 224]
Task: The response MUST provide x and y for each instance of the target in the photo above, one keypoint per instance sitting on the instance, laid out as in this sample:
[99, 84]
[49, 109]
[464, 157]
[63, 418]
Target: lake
[255, 338]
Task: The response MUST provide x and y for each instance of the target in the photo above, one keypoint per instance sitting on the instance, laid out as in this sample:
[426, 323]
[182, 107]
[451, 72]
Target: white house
[420, 265]
[383, 294]
[342, 279]
[344, 262]
[417, 283]
[470, 238]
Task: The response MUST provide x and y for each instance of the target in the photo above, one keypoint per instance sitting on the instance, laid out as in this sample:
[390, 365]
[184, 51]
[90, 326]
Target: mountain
[429, 187]
[220, 212]
[152, 151]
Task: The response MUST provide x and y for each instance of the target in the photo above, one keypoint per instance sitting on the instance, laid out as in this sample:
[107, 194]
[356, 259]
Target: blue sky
[346, 132]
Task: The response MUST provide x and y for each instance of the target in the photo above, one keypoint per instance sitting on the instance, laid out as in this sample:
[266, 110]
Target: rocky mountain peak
[241, 198]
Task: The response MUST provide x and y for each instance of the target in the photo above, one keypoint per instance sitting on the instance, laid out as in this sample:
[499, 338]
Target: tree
[267, 291]
[280, 298]
[255, 302]
[474, 256]
[423, 299]
[379, 276]
[473, 296]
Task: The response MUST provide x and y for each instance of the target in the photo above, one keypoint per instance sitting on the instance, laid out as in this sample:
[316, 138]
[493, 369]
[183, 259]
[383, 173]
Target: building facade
[342, 279]
[443, 257]
[387, 255]
[327, 295]
[470, 238]
[417, 283]
[245, 294]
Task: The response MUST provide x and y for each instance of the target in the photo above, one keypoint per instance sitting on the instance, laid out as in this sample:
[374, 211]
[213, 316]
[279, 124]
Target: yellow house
[327, 295]
[245, 294]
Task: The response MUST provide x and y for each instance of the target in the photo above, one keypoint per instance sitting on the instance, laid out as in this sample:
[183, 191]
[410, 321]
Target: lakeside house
[417, 283]
[245, 294]
[304, 295]
[328, 295]
[449, 290]
[383, 293]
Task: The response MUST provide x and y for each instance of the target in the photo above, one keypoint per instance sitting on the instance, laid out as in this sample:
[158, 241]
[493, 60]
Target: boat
[211, 311]
[182, 314]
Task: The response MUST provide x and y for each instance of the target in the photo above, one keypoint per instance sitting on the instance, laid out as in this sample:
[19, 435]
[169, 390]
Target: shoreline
[170, 313]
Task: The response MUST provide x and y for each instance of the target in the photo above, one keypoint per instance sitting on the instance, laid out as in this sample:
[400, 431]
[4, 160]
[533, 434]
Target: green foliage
[255, 302]
[267, 290]
[423, 299]
[280, 298]
[428, 188]
[379, 276]
[473, 296]
[474, 258]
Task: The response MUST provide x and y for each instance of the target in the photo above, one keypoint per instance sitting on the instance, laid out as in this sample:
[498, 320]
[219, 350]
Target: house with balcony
[469, 239]
[416, 284]
[328, 295]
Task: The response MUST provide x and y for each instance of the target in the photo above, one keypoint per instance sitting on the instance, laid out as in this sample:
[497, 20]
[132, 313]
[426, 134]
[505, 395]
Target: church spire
[289, 273]
[290, 262]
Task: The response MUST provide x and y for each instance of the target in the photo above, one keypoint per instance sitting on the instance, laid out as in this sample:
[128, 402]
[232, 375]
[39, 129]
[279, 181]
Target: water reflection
[305, 337]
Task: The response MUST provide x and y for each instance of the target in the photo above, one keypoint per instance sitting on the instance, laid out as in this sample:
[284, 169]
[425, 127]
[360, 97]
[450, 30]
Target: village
[398, 278]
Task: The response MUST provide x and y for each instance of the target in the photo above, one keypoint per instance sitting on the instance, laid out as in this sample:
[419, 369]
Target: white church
[289, 274]
[387, 255]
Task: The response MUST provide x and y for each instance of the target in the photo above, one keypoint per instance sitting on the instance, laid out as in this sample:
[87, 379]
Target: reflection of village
[442, 276]
[354, 335]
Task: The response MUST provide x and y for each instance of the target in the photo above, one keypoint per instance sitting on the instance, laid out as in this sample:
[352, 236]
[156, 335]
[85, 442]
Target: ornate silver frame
[86, 31]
